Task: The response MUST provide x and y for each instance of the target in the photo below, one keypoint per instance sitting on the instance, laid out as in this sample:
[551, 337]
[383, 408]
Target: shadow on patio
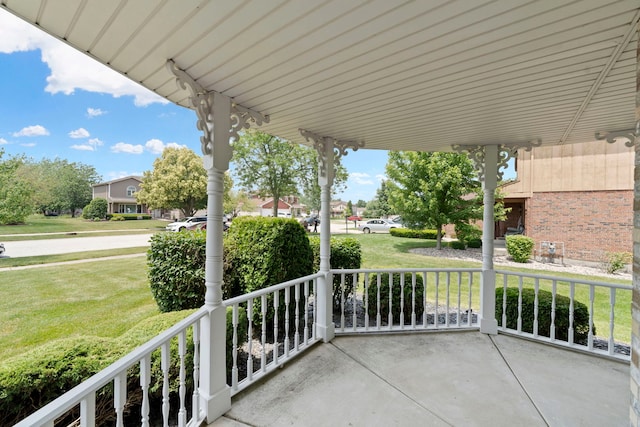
[447, 378]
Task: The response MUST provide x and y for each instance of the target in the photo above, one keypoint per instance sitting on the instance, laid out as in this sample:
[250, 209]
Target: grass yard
[96, 298]
[66, 224]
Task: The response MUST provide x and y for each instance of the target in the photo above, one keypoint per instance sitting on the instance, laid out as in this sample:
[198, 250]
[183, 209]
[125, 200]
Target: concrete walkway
[437, 379]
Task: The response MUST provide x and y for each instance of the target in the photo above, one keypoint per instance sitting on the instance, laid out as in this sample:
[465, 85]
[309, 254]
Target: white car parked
[374, 225]
[186, 223]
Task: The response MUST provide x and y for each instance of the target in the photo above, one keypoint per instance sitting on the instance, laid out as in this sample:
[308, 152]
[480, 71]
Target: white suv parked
[184, 224]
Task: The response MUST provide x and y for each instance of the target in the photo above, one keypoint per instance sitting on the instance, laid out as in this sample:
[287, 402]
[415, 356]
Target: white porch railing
[601, 301]
[432, 299]
[288, 309]
[113, 380]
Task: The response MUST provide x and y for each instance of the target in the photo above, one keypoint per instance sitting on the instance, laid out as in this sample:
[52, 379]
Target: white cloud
[361, 178]
[122, 147]
[121, 174]
[82, 147]
[70, 69]
[35, 130]
[79, 133]
[3, 141]
[28, 144]
[381, 177]
[94, 112]
[156, 146]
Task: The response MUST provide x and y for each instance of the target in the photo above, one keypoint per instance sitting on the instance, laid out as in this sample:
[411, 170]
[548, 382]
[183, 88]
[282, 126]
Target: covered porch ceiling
[396, 74]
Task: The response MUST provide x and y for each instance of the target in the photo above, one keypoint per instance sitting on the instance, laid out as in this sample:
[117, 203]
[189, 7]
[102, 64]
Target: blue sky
[58, 103]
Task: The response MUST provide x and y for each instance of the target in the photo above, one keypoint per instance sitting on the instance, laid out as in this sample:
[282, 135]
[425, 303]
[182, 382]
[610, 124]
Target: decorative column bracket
[505, 152]
[203, 102]
[629, 136]
[320, 144]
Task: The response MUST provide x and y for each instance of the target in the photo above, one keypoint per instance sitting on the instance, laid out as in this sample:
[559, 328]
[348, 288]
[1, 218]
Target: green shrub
[561, 322]
[465, 232]
[175, 264]
[457, 244]
[519, 248]
[414, 234]
[263, 252]
[474, 243]
[617, 261]
[97, 208]
[345, 253]
[116, 217]
[372, 296]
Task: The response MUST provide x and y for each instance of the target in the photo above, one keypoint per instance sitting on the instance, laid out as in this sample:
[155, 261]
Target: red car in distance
[354, 218]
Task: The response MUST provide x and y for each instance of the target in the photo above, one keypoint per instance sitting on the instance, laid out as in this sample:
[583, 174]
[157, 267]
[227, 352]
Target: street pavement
[27, 248]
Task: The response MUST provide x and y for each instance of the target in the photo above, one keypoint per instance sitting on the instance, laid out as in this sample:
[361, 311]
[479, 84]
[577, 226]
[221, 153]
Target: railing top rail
[566, 279]
[270, 289]
[405, 270]
[59, 406]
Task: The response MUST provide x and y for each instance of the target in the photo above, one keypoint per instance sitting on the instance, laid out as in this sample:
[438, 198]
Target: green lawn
[106, 298]
[66, 224]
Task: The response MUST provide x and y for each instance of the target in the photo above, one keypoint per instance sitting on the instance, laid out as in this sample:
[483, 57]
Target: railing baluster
[572, 287]
[182, 388]
[263, 353]
[459, 298]
[424, 300]
[536, 288]
[342, 319]
[592, 297]
[165, 359]
[519, 305]
[315, 304]
[390, 313]
[447, 300]
[402, 301]
[612, 303]
[88, 410]
[378, 314]
[145, 380]
[504, 302]
[469, 309]
[366, 302]
[287, 297]
[413, 300]
[436, 320]
[306, 313]
[120, 397]
[195, 402]
[552, 332]
[250, 339]
[276, 305]
[354, 305]
[234, 349]
[296, 315]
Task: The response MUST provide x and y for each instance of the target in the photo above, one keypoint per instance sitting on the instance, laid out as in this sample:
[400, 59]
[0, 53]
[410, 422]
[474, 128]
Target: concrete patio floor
[437, 379]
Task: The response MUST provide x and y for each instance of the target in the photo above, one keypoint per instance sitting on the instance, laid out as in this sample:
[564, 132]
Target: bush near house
[345, 253]
[466, 232]
[371, 303]
[414, 234]
[519, 248]
[127, 216]
[97, 208]
[33, 379]
[458, 244]
[561, 321]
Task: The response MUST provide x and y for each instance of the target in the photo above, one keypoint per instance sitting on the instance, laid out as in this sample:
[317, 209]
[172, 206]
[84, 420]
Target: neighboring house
[580, 195]
[288, 206]
[120, 194]
[338, 208]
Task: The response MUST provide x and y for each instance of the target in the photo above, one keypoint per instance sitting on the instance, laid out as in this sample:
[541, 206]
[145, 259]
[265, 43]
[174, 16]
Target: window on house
[131, 190]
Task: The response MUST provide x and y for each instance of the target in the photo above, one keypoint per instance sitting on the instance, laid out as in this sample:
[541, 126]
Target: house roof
[393, 74]
[126, 178]
[268, 204]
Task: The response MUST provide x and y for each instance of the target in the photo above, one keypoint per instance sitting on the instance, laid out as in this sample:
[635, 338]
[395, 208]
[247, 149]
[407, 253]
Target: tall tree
[379, 206]
[178, 181]
[361, 203]
[273, 167]
[433, 189]
[15, 192]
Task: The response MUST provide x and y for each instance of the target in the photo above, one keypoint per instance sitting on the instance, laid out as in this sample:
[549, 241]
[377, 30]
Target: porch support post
[220, 120]
[329, 150]
[488, 323]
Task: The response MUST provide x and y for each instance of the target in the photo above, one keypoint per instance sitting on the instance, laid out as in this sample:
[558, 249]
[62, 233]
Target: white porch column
[488, 323]
[219, 120]
[329, 150]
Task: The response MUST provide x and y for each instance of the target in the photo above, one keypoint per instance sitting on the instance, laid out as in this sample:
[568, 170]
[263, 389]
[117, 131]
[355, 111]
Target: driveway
[78, 244]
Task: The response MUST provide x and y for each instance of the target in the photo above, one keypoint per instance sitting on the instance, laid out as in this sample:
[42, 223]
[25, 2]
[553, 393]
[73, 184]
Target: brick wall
[590, 223]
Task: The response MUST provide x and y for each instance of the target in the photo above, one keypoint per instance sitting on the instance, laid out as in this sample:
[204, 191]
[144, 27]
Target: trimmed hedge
[345, 253]
[127, 216]
[519, 248]
[97, 208]
[33, 379]
[561, 322]
[175, 264]
[414, 234]
[458, 244]
[372, 297]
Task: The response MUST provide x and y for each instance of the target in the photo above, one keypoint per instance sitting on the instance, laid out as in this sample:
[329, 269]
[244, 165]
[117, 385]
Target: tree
[273, 167]
[178, 181]
[379, 206]
[433, 189]
[349, 210]
[361, 203]
[15, 192]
